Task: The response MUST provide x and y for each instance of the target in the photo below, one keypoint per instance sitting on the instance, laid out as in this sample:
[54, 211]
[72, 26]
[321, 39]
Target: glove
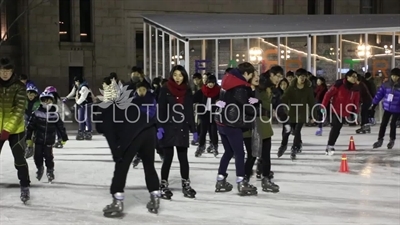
[220, 104]
[29, 151]
[287, 128]
[323, 110]
[4, 135]
[195, 136]
[29, 143]
[253, 100]
[160, 133]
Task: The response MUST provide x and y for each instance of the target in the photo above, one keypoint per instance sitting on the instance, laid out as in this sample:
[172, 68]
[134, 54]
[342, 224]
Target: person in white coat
[83, 104]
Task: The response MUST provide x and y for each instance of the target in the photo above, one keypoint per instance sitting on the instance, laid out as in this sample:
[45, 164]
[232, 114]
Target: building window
[3, 22]
[312, 7]
[368, 6]
[85, 7]
[65, 20]
[328, 7]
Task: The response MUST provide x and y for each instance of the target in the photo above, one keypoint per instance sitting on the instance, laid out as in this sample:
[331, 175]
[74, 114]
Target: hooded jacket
[12, 105]
[344, 97]
[235, 92]
[390, 93]
[44, 124]
[31, 106]
[299, 101]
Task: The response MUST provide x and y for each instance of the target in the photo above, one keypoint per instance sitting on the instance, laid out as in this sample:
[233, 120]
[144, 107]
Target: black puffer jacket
[176, 121]
[121, 124]
[237, 112]
[44, 125]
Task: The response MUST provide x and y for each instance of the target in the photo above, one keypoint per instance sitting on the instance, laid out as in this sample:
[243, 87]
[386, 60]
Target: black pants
[207, 124]
[183, 162]
[44, 152]
[265, 157]
[337, 124]
[18, 145]
[385, 120]
[143, 144]
[296, 127]
[365, 113]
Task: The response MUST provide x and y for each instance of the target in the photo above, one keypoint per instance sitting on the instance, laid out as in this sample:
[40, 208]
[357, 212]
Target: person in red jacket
[345, 99]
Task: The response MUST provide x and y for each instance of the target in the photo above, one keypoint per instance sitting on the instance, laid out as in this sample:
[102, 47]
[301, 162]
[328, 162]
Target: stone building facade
[106, 38]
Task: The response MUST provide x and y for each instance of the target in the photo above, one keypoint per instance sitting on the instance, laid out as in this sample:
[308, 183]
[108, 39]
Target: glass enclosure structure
[326, 45]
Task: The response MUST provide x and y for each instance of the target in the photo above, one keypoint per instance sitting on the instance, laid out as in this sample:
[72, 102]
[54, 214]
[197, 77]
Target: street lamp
[364, 51]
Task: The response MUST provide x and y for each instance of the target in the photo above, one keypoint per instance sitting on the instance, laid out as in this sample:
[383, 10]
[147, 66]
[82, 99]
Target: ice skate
[80, 136]
[116, 208]
[222, 185]
[136, 161]
[58, 144]
[154, 204]
[25, 194]
[293, 152]
[29, 151]
[165, 191]
[87, 135]
[282, 149]
[246, 189]
[194, 142]
[215, 151]
[330, 150]
[364, 129]
[50, 175]
[210, 149]
[39, 173]
[271, 175]
[318, 132]
[269, 186]
[390, 145]
[300, 148]
[187, 190]
[378, 144]
[200, 150]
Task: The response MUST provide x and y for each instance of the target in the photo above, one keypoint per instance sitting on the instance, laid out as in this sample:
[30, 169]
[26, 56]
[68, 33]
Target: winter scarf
[178, 91]
[210, 92]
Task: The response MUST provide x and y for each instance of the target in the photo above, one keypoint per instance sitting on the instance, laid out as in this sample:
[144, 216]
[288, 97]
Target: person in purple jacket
[389, 92]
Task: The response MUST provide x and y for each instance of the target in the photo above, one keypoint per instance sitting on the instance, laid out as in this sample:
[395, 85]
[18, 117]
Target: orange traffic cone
[352, 146]
[344, 168]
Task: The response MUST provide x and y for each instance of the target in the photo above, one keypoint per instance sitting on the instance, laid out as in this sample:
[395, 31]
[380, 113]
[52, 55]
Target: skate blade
[166, 197]
[117, 215]
[248, 194]
[222, 190]
[153, 211]
[189, 196]
[271, 191]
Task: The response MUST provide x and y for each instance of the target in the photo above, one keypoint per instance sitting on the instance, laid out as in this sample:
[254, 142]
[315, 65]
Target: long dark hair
[183, 72]
[281, 81]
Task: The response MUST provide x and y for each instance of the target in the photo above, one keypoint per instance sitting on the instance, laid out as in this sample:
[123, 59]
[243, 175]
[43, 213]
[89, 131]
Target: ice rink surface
[312, 189]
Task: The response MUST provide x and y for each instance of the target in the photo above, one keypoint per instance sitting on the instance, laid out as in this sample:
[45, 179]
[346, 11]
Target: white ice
[312, 189]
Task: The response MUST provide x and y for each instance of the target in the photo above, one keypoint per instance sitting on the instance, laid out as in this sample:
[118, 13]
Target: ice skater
[389, 92]
[136, 134]
[44, 124]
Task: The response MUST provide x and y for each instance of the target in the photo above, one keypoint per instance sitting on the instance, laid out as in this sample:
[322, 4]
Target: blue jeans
[232, 140]
[85, 117]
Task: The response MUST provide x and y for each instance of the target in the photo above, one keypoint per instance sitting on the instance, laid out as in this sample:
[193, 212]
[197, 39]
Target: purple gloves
[195, 136]
[220, 104]
[253, 101]
[160, 133]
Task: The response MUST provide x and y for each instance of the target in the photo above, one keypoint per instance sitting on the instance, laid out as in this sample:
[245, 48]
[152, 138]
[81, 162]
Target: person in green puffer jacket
[264, 88]
[12, 125]
[299, 97]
